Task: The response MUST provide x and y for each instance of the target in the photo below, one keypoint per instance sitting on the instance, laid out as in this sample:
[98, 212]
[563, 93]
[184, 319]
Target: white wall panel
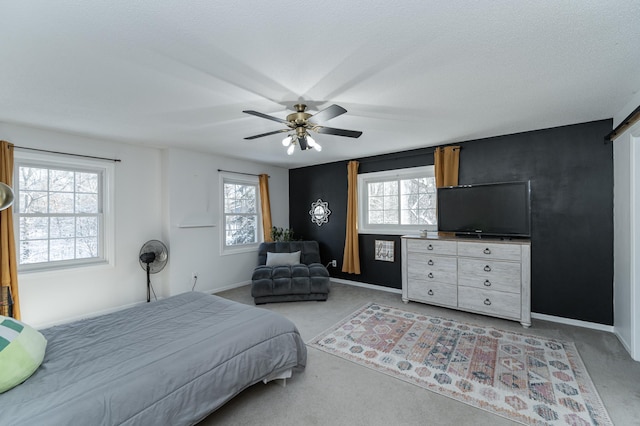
[626, 157]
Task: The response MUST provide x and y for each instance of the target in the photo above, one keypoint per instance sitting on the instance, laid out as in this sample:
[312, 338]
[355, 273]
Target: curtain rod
[627, 122]
[116, 160]
[240, 173]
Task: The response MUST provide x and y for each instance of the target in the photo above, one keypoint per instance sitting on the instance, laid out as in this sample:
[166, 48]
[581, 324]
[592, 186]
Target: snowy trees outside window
[397, 201]
[241, 224]
[58, 214]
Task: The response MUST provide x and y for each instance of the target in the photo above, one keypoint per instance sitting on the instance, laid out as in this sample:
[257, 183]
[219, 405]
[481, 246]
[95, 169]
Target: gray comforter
[169, 362]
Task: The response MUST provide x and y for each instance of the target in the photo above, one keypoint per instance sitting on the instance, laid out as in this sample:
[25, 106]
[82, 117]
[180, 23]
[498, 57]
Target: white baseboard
[365, 285]
[574, 322]
[227, 287]
[625, 344]
[544, 317]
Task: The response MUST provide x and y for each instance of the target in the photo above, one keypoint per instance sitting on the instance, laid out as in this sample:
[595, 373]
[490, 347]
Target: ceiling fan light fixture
[287, 141]
[290, 149]
[313, 144]
[310, 141]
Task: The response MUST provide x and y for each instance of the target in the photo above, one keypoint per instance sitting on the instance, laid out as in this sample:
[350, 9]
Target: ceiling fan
[300, 122]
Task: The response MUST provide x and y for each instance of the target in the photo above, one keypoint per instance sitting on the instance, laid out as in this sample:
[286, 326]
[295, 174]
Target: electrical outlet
[334, 263]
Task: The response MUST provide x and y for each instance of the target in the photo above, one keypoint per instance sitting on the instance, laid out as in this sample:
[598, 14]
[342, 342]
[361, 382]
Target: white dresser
[485, 276]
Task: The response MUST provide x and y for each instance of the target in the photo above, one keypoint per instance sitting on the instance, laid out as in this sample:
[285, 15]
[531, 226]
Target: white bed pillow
[282, 259]
[21, 352]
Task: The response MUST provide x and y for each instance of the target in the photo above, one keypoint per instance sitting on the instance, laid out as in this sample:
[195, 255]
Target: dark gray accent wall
[571, 173]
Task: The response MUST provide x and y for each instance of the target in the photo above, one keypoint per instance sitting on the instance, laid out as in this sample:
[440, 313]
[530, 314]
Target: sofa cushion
[299, 271]
[281, 259]
[283, 271]
[318, 270]
[262, 272]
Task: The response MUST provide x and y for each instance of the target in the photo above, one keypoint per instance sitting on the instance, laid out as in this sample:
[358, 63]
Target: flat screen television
[496, 209]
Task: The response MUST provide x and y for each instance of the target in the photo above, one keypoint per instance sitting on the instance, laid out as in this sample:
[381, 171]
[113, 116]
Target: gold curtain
[265, 204]
[351, 259]
[8, 264]
[446, 161]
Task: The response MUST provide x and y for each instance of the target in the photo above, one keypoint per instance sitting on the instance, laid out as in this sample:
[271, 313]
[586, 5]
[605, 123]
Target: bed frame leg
[281, 377]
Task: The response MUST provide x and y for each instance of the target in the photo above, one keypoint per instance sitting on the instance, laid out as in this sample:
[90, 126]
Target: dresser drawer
[490, 302]
[433, 292]
[490, 250]
[432, 246]
[432, 268]
[490, 275]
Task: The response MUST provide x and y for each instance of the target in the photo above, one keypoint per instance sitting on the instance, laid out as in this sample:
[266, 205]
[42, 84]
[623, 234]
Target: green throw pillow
[21, 352]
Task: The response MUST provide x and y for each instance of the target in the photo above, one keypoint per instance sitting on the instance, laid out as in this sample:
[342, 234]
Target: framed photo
[384, 250]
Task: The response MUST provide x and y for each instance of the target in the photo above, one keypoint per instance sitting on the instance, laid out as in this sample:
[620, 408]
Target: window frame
[106, 219]
[243, 180]
[388, 175]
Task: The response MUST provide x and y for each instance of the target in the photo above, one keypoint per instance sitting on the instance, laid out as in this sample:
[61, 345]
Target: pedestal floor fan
[153, 258]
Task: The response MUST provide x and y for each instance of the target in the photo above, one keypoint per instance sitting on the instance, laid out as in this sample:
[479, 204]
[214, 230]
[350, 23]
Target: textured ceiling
[410, 73]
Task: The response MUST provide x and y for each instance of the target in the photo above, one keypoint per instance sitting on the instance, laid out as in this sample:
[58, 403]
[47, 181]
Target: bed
[168, 362]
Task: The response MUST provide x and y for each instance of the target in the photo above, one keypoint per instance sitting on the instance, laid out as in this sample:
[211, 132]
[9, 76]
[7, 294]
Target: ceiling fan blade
[268, 133]
[337, 132]
[328, 113]
[268, 117]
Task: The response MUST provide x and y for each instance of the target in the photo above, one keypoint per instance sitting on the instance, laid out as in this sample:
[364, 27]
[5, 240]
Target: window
[397, 201]
[60, 212]
[242, 221]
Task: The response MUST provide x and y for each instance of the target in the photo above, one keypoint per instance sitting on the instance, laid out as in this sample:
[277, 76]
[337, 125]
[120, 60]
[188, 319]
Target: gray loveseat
[279, 277]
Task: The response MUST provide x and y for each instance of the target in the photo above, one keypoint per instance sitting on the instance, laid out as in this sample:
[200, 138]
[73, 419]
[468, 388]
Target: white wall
[628, 109]
[194, 197]
[626, 220]
[154, 191]
[57, 296]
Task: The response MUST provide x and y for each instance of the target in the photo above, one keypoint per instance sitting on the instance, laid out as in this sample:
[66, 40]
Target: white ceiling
[410, 73]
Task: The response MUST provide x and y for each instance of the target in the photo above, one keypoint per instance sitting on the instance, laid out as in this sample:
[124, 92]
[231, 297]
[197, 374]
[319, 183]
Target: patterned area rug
[524, 378]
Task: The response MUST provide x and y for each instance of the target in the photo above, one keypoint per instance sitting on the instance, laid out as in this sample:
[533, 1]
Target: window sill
[249, 248]
[395, 231]
[65, 268]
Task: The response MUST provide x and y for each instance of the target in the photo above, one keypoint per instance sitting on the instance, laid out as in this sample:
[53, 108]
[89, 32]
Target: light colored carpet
[522, 377]
[334, 391]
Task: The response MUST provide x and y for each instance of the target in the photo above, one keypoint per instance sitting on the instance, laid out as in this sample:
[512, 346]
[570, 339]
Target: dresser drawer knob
[487, 251]
[430, 275]
[430, 262]
[487, 302]
[430, 292]
[429, 247]
[487, 283]
[487, 268]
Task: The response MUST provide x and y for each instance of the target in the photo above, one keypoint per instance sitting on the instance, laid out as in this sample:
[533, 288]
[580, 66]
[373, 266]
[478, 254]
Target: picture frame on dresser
[484, 276]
